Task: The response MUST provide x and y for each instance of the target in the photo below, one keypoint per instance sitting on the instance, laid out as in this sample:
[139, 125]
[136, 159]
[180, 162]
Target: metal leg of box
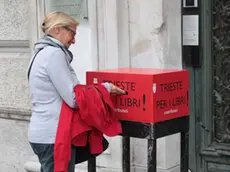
[184, 152]
[152, 155]
[92, 165]
[126, 154]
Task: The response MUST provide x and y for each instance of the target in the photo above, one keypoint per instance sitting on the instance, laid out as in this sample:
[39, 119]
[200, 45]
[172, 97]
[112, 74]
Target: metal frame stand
[152, 132]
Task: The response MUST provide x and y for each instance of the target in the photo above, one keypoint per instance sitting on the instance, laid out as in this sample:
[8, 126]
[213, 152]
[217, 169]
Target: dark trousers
[45, 153]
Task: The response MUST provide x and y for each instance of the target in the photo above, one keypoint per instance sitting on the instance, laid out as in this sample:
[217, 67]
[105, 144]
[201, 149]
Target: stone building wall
[119, 33]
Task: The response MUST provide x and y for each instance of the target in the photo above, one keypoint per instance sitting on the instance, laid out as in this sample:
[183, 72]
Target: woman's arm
[113, 89]
[60, 75]
[107, 86]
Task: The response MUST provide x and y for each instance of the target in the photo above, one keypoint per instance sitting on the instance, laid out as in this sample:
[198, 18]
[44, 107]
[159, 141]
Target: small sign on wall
[191, 30]
[75, 8]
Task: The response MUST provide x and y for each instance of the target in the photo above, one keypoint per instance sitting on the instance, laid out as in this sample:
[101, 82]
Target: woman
[51, 80]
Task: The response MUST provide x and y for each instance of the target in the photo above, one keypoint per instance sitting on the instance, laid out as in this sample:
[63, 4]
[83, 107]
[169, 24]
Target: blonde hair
[57, 18]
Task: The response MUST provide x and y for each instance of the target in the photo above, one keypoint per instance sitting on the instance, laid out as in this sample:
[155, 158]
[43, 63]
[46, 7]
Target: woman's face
[67, 35]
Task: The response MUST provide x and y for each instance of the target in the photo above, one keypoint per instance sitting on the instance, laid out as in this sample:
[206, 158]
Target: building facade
[123, 33]
[115, 33]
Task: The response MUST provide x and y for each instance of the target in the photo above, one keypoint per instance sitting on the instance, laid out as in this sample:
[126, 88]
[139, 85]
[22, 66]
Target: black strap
[28, 74]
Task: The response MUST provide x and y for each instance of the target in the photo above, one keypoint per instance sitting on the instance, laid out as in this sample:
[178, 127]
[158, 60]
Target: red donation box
[153, 95]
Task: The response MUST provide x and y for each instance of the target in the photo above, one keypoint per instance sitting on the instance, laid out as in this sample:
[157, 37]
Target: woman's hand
[116, 90]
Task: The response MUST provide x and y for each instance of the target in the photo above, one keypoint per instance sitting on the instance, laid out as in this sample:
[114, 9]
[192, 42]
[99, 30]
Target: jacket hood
[50, 41]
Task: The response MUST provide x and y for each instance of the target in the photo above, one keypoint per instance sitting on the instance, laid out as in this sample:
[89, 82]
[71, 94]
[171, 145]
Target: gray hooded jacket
[51, 80]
